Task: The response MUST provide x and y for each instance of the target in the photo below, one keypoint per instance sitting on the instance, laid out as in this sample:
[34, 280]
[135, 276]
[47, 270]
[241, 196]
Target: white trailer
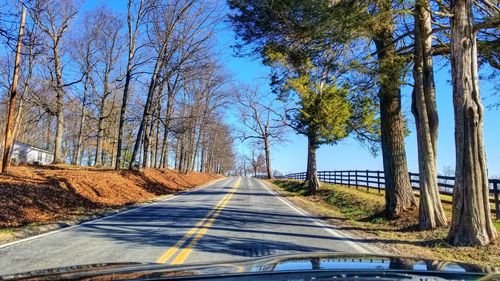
[23, 153]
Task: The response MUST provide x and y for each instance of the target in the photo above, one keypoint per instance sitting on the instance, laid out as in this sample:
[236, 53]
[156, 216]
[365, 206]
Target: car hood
[338, 262]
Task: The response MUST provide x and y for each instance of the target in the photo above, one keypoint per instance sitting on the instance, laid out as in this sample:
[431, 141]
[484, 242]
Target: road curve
[234, 218]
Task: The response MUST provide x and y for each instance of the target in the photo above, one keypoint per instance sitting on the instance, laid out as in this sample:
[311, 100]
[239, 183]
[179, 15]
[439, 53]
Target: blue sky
[291, 156]
[349, 154]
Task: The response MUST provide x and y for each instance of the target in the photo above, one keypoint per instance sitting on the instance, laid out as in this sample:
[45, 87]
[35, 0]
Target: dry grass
[46, 194]
[359, 211]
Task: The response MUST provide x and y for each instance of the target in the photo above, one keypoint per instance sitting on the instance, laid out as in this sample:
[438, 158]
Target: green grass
[497, 224]
[6, 231]
[352, 204]
[292, 186]
[361, 210]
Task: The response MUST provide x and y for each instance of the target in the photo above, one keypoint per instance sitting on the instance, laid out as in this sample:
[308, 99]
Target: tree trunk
[132, 38]
[168, 115]
[9, 128]
[145, 147]
[59, 106]
[181, 156]
[78, 150]
[123, 110]
[157, 154]
[164, 149]
[100, 137]
[113, 140]
[203, 152]
[20, 114]
[176, 156]
[191, 150]
[267, 151]
[59, 131]
[471, 223]
[100, 124]
[431, 213]
[312, 173]
[48, 136]
[398, 192]
[147, 108]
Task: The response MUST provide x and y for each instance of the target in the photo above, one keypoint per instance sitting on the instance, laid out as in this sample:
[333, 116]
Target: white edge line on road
[327, 227]
[108, 217]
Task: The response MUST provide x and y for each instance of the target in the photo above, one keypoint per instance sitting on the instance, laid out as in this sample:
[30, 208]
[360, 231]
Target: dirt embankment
[51, 193]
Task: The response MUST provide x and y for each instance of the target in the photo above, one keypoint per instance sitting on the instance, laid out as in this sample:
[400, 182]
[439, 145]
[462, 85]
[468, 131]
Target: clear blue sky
[349, 154]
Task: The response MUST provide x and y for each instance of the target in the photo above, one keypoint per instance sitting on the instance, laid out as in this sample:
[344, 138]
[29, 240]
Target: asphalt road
[234, 218]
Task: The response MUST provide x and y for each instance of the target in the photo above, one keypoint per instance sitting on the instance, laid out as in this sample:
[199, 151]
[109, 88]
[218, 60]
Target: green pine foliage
[323, 110]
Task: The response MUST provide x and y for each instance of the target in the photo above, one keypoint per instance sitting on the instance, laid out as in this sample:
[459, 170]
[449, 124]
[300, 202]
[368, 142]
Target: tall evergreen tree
[290, 36]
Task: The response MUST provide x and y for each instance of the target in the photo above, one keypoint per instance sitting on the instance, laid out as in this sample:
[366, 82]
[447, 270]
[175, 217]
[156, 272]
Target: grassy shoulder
[38, 199]
[359, 211]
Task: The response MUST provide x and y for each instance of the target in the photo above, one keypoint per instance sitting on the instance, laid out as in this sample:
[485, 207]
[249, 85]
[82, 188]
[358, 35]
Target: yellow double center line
[196, 232]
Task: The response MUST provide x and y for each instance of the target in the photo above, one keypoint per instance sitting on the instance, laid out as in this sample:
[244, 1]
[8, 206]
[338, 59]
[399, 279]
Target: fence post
[378, 181]
[349, 178]
[356, 177]
[367, 182]
[497, 202]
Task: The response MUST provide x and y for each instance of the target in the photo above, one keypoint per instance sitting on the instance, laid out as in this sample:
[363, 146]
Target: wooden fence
[375, 180]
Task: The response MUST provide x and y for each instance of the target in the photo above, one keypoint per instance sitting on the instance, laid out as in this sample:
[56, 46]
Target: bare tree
[257, 162]
[84, 54]
[134, 23]
[108, 52]
[173, 12]
[53, 18]
[181, 31]
[260, 122]
[169, 46]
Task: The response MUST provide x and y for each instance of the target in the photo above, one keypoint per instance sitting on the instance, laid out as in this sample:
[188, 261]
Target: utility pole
[9, 128]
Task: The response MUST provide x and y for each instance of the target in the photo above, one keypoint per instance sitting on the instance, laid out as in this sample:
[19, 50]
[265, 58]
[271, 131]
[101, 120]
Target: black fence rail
[375, 180]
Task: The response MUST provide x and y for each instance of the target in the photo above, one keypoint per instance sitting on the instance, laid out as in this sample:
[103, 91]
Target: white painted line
[107, 217]
[327, 227]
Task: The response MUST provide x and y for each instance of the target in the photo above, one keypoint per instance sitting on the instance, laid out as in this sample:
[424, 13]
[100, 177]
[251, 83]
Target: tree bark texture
[59, 106]
[78, 149]
[471, 223]
[431, 213]
[312, 179]
[267, 151]
[399, 194]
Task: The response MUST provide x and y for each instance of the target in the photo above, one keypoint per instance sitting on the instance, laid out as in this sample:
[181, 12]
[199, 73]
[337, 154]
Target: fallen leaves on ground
[50, 193]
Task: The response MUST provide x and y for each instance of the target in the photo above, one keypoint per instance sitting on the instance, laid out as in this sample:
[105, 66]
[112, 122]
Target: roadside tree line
[122, 90]
[341, 66]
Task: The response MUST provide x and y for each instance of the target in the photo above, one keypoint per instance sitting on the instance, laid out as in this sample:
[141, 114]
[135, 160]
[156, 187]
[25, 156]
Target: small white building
[23, 153]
